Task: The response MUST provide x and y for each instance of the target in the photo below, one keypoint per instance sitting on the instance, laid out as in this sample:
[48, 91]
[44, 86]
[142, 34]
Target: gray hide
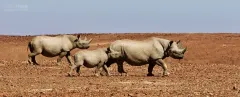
[55, 46]
[150, 51]
[93, 58]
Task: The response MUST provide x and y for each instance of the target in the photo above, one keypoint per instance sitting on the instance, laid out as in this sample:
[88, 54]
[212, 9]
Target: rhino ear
[170, 43]
[178, 41]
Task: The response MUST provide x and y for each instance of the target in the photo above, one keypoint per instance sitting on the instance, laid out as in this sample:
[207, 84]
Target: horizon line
[121, 33]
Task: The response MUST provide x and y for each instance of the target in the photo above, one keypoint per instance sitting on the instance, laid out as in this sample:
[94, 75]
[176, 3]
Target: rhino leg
[120, 67]
[150, 69]
[69, 59]
[32, 59]
[61, 55]
[72, 68]
[161, 63]
[78, 70]
[106, 69]
[77, 65]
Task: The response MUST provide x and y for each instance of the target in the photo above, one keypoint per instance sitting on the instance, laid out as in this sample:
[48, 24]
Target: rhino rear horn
[178, 41]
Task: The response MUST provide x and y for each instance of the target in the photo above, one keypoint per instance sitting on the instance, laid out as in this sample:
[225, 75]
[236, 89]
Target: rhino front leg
[71, 70]
[120, 67]
[69, 59]
[106, 69]
[61, 55]
[161, 63]
[150, 69]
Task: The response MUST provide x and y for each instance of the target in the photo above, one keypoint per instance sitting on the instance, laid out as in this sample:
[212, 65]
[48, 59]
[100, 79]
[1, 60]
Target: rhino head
[176, 50]
[82, 43]
[113, 54]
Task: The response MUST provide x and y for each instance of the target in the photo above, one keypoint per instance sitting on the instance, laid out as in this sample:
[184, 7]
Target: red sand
[211, 67]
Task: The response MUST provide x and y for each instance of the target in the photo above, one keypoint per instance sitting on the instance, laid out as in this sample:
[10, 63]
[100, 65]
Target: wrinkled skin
[55, 46]
[150, 51]
[93, 58]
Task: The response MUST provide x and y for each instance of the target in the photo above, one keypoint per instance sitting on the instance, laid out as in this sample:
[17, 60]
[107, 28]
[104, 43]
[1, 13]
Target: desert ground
[211, 67]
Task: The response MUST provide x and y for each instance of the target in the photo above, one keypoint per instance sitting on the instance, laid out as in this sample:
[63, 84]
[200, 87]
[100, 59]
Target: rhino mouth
[177, 56]
[85, 47]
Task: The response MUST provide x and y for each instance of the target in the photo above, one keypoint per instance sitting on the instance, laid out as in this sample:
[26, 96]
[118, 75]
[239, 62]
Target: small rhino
[93, 58]
[55, 46]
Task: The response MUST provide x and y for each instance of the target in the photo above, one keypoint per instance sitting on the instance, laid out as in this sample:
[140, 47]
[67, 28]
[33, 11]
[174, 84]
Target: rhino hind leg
[77, 66]
[97, 71]
[32, 58]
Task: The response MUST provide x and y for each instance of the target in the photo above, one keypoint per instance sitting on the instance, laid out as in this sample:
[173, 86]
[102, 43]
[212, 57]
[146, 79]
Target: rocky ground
[211, 67]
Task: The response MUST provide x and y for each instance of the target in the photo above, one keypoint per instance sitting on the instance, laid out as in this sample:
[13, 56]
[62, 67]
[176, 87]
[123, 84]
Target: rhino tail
[30, 46]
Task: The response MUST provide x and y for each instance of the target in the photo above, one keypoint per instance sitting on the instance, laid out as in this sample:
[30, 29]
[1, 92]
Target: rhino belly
[135, 62]
[47, 53]
[90, 63]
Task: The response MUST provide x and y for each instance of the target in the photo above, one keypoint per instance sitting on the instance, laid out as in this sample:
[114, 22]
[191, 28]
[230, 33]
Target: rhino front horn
[184, 50]
[90, 40]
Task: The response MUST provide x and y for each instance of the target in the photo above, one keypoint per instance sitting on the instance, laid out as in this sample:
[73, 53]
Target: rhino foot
[165, 74]
[124, 74]
[96, 75]
[58, 63]
[69, 74]
[35, 63]
[150, 74]
[78, 74]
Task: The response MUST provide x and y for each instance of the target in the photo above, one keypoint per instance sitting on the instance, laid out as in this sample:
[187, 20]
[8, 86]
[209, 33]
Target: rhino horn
[90, 40]
[85, 38]
[184, 50]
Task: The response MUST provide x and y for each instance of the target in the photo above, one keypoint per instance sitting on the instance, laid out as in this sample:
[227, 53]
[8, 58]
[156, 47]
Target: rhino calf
[93, 58]
[55, 46]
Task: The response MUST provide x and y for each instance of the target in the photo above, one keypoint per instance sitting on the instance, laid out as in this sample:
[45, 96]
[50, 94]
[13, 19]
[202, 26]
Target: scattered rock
[131, 95]
[197, 93]
[234, 87]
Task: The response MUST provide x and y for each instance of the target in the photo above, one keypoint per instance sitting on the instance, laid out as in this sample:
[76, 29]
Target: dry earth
[211, 67]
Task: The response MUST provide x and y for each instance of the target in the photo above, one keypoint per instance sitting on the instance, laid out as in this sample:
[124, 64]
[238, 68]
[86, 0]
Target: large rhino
[55, 46]
[150, 51]
[93, 58]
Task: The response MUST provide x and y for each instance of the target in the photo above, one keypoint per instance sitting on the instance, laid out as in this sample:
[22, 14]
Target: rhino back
[91, 57]
[138, 52]
[52, 46]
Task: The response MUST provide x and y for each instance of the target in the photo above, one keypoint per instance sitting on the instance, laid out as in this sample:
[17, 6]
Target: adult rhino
[150, 51]
[55, 46]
